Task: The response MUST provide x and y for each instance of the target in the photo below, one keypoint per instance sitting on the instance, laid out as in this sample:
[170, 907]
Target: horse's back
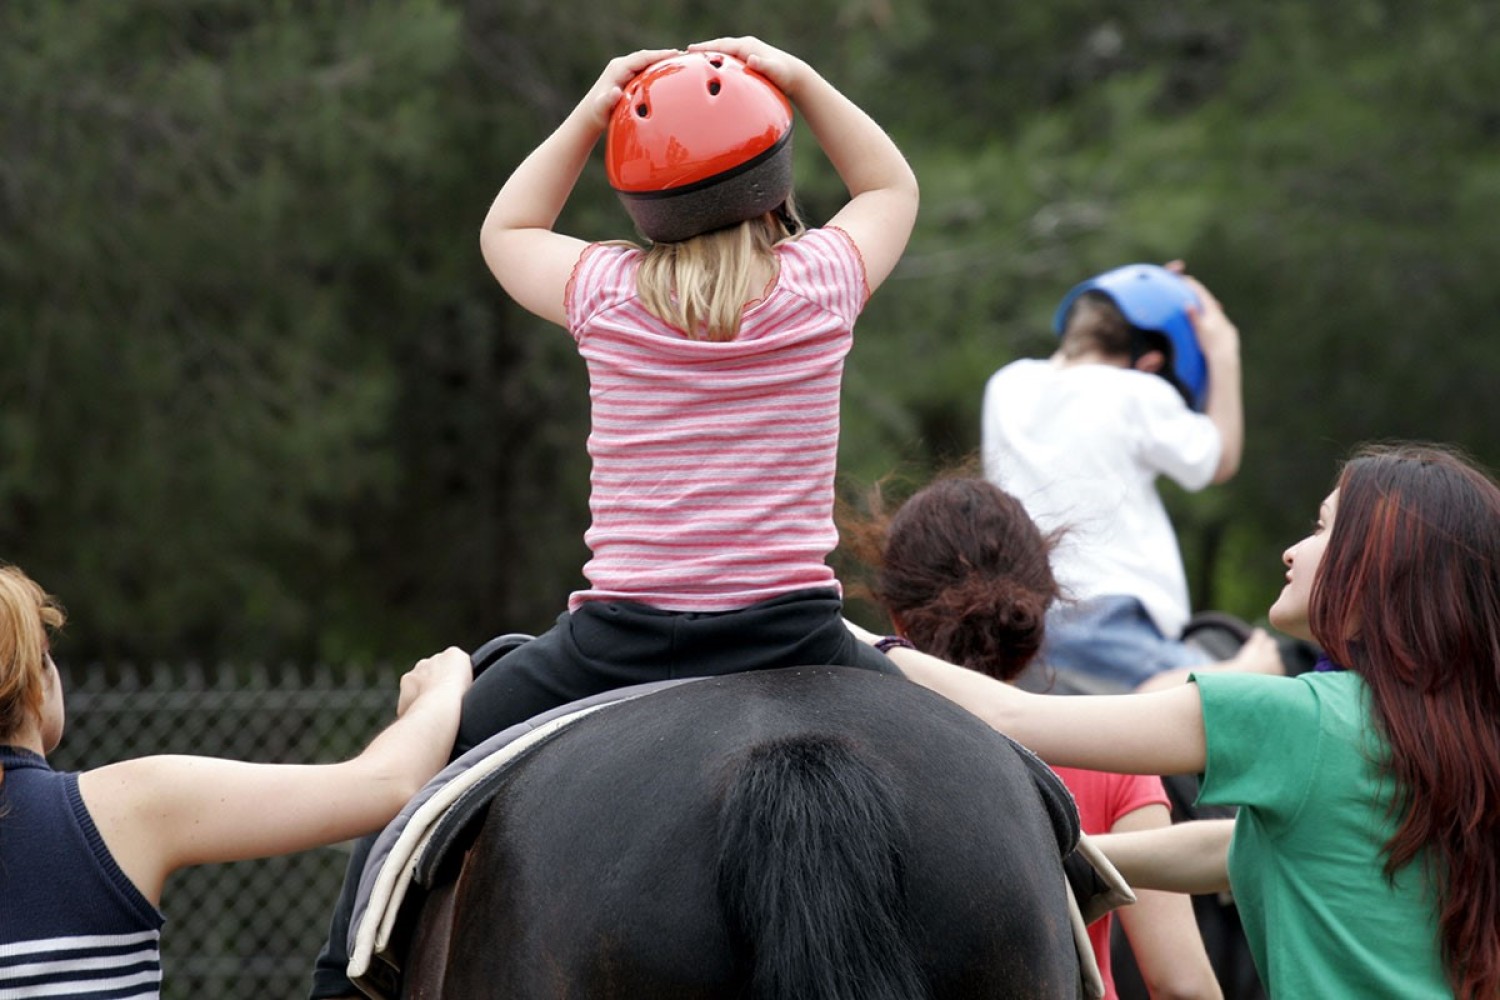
[770, 827]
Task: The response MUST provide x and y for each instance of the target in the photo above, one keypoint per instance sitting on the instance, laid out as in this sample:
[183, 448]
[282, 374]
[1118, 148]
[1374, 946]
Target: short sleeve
[824, 267]
[1177, 442]
[1136, 791]
[1263, 736]
[603, 277]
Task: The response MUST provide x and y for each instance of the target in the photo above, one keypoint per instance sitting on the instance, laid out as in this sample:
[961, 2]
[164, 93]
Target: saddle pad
[411, 847]
[1117, 893]
[400, 849]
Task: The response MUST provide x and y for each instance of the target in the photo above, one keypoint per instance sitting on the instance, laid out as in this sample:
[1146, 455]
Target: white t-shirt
[1081, 446]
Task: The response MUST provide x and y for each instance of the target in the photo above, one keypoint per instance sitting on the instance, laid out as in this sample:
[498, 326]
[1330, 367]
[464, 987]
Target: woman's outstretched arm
[1190, 857]
[1156, 733]
[158, 814]
[1161, 926]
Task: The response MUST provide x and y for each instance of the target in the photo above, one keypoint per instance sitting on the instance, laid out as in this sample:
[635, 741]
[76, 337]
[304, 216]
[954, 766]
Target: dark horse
[812, 833]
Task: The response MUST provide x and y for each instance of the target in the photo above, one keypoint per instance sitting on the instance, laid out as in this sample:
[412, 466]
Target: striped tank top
[71, 923]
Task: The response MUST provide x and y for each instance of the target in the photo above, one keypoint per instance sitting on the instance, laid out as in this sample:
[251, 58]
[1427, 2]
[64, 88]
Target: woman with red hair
[1366, 853]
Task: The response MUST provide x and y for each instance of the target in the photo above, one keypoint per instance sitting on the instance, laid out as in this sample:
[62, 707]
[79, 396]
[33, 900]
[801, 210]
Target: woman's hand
[450, 669]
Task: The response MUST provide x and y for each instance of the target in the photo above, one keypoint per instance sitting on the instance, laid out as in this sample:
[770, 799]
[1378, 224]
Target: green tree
[261, 398]
[202, 266]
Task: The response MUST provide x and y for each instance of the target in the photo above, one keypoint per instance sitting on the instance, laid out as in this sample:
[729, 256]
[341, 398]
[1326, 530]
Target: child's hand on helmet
[781, 68]
[1214, 329]
[606, 91]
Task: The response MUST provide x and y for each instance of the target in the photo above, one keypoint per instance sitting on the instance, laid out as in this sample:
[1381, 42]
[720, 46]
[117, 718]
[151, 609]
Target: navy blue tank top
[71, 922]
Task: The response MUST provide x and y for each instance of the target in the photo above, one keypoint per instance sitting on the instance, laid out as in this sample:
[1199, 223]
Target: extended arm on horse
[161, 813]
[1156, 733]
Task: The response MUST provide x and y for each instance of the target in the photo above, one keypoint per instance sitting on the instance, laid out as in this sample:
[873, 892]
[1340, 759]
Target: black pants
[612, 644]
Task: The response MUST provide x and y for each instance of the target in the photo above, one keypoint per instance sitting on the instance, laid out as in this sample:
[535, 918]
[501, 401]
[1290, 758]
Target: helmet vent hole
[641, 110]
[716, 62]
[713, 88]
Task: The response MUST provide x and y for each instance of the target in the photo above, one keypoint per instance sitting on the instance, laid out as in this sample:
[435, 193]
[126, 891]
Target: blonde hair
[702, 284]
[27, 613]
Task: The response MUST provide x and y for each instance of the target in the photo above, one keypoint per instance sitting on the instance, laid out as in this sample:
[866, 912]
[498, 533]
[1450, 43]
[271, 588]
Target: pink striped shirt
[713, 463]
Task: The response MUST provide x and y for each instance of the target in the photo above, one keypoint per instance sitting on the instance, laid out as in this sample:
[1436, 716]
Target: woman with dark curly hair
[964, 573]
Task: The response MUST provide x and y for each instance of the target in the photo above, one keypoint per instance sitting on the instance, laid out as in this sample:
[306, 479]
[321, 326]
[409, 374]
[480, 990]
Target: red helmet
[699, 141]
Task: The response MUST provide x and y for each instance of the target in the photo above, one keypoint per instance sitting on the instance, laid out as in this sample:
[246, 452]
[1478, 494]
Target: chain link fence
[250, 929]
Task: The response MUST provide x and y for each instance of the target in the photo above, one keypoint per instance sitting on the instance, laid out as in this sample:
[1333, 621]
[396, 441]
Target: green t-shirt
[1298, 755]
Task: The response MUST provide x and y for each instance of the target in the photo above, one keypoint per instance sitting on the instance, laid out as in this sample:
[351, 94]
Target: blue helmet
[1152, 298]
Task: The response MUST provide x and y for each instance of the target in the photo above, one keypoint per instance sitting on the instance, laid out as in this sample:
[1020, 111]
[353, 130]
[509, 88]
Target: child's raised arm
[1219, 339]
[530, 261]
[883, 190]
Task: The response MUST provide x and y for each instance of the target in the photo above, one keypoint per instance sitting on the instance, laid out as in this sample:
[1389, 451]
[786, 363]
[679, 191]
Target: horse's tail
[810, 874]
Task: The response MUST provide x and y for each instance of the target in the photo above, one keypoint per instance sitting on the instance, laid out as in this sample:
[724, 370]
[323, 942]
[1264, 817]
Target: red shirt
[1102, 800]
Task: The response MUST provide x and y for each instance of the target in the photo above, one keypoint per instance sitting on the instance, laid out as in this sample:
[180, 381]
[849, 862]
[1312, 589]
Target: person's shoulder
[822, 266]
[823, 239]
[816, 250]
[1327, 685]
[1341, 691]
[1090, 375]
[607, 257]
[1022, 369]
[1149, 390]
[1128, 381]
[1240, 690]
[1342, 696]
[1153, 404]
[603, 276]
[1271, 702]
[1099, 387]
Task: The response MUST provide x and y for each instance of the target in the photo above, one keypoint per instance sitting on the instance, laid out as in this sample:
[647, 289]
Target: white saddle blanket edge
[1119, 894]
[372, 934]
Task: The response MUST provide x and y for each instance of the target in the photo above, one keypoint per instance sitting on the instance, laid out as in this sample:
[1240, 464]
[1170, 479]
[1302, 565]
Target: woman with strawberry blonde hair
[1365, 857]
[84, 856]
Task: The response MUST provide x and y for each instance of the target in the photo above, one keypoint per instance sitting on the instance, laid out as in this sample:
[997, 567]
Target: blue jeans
[1111, 643]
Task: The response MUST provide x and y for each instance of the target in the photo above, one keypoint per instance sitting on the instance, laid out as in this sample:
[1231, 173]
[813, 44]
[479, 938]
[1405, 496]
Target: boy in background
[1145, 382]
